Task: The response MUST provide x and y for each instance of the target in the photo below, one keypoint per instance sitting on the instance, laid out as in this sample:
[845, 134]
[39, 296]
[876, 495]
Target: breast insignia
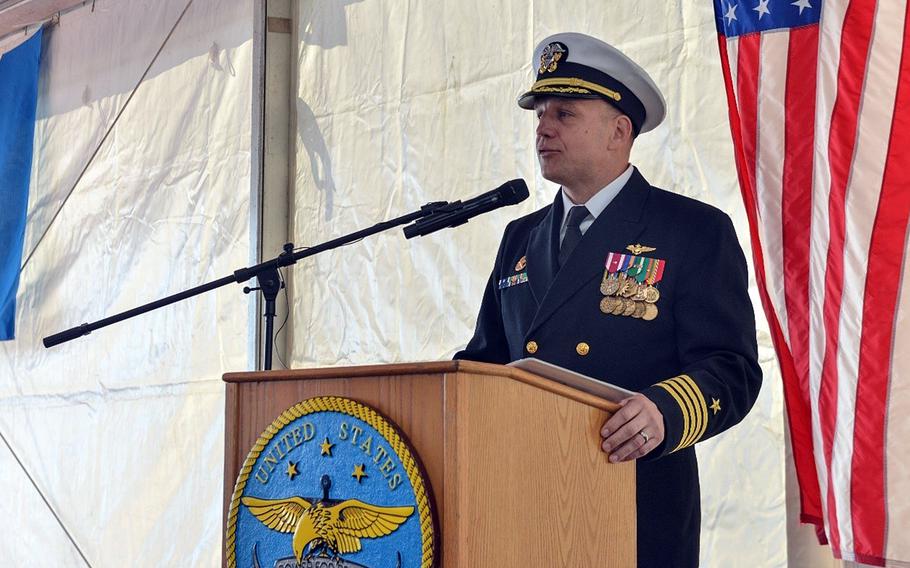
[638, 249]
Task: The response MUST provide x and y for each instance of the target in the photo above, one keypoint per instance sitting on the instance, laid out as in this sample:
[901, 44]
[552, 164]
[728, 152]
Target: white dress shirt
[596, 204]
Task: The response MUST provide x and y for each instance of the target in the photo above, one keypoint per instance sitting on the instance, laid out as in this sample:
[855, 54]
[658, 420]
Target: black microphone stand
[265, 273]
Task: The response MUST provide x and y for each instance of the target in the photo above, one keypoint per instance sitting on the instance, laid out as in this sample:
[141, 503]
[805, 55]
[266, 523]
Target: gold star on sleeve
[715, 405]
[326, 448]
[292, 470]
[359, 472]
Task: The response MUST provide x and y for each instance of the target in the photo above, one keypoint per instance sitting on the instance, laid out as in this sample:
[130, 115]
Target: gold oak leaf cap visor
[580, 66]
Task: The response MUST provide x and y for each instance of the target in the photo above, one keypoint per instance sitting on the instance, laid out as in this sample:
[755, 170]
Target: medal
[607, 304]
[650, 312]
[650, 294]
[609, 285]
[639, 310]
[654, 273]
[627, 289]
[619, 307]
[613, 286]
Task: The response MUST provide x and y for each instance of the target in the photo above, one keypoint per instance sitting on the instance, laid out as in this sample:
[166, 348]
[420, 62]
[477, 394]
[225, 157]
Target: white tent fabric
[122, 430]
[403, 102]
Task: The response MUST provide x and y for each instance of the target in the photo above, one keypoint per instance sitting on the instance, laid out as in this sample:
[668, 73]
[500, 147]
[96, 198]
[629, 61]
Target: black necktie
[577, 214]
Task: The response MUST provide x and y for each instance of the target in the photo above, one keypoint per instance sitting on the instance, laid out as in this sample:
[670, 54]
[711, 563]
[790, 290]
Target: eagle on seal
[333, 527]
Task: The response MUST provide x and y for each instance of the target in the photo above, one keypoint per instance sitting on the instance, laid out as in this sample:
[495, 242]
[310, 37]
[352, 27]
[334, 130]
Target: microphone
[458, 213]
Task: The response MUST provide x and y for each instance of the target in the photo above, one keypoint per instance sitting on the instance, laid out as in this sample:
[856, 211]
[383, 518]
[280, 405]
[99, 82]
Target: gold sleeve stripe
[685, 408]
[575, 82]
[687, 385]
[691, 407]
[702, 407]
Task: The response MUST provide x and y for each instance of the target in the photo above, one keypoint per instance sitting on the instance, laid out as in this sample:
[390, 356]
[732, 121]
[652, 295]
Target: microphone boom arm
[265, 272]
[429, 218]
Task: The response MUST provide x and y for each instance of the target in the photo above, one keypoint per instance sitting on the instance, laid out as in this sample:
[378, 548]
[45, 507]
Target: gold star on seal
[637, 249]
[715, 405]
[292, 470]
[359, 472]
[326, 448]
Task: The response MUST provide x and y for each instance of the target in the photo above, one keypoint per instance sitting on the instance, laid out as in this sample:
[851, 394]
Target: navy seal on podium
[331, 483]
[620, 280]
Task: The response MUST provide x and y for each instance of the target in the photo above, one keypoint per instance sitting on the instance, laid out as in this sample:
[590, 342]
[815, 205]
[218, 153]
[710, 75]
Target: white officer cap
[580, 66]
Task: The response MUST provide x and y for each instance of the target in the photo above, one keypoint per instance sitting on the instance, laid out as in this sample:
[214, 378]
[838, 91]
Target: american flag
[819, 99]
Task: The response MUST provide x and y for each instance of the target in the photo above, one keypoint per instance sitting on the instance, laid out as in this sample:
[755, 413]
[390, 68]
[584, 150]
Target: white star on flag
[731, 13]
[762, 8]
[801, 4]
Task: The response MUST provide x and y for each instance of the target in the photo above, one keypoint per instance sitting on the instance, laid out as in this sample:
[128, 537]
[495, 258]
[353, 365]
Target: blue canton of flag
[735, 18]
[18, 100]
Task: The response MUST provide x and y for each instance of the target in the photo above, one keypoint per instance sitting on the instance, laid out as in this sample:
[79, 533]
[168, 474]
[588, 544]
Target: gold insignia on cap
[637, 249]
[520, 265]
[573, 85]
[550, 57]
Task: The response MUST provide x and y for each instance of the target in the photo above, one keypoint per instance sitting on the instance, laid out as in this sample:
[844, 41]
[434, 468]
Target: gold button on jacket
[582, 348]
[531, 347]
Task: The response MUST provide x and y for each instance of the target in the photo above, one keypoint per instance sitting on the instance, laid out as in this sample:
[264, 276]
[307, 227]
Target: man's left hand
[634, 430]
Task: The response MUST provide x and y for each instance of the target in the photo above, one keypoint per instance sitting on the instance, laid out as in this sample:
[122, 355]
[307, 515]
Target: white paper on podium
[572, 379]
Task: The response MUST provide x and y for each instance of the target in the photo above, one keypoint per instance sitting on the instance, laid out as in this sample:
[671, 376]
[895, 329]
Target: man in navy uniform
[625, 282]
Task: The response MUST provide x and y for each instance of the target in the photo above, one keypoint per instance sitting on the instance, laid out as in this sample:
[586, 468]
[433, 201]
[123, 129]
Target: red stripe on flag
[854, 48]
[796, 199]
[747, 77]
[886, 254]
[798, 405]
[796, 208]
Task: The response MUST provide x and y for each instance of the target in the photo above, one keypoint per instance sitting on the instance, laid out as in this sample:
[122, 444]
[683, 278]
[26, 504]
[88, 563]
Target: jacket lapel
[619, 225]
[543, 250]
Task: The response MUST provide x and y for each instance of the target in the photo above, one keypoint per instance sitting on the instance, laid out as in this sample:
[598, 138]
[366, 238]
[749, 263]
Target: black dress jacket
[697, 360]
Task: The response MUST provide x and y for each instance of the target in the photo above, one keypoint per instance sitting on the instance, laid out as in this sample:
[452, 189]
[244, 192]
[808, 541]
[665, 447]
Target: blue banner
[18, 99]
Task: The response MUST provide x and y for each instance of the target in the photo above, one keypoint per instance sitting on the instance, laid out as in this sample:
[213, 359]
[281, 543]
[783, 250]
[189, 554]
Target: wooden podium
[513, 459]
